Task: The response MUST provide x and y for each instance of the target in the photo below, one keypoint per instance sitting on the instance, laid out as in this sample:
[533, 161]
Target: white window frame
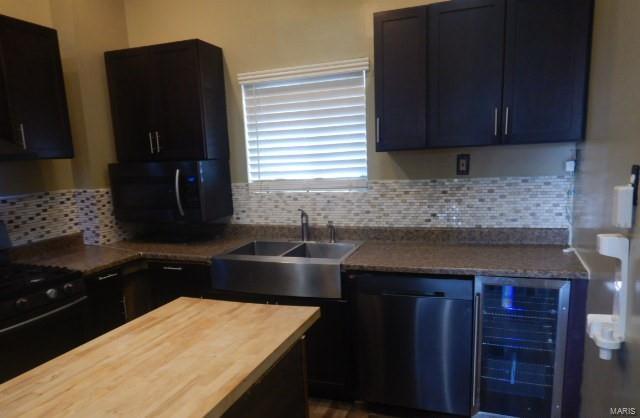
[336, 67]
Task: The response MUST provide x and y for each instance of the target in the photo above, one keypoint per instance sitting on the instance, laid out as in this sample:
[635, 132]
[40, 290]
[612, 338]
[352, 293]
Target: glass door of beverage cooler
[520, 346]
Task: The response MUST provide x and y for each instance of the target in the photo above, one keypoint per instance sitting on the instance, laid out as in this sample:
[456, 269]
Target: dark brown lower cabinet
[117, 296]
[105, 290]
[122, 294]
[329, 349]
[281, 392]
[170, 281]
[137, 295]
[329, 344]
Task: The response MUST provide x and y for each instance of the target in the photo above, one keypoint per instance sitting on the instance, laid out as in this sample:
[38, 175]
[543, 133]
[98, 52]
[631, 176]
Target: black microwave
[171, 192]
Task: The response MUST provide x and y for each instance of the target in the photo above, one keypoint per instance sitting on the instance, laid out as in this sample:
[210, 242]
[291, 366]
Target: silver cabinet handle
[476, 336]
[108, 276]
[151, 142]
[377, 130]
[157, 142]
[506, 121]
[495, 121]
[172, 268]
[178, 199]
[23, 137]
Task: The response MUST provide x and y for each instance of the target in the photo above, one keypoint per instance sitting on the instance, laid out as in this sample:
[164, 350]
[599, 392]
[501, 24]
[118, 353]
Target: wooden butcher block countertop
[189, 358]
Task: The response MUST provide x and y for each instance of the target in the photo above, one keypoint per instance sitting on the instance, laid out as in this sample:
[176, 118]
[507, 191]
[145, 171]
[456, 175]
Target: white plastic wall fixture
[623, 206]
[609, 331]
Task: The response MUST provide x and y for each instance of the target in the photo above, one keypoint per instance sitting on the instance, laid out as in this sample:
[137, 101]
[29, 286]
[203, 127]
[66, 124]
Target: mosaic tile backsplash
[504, 202]
[491, 202]
[38, 216]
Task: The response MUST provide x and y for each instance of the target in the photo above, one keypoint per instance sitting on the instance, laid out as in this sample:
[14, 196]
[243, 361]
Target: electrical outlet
[462, 164]
[570, 166]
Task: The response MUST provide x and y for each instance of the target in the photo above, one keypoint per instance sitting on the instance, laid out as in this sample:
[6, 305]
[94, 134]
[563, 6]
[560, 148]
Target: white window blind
[306, 127]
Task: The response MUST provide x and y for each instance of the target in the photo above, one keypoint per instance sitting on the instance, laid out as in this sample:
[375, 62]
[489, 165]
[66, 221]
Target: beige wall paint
[86, 28]
[90, 27]
[255, 35]
[612, 146]
[259, 35]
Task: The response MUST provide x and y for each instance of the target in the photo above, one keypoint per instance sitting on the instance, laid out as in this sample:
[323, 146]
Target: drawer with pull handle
[115, 296]
[170, 280]
[106, 300]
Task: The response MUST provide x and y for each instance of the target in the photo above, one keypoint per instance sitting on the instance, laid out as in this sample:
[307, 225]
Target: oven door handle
[178, 198]
[44, 315]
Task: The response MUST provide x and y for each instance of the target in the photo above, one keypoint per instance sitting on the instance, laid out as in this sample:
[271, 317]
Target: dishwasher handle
[409, 294]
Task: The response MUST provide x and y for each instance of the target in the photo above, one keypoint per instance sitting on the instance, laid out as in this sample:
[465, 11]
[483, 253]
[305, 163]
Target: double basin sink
[283, 268]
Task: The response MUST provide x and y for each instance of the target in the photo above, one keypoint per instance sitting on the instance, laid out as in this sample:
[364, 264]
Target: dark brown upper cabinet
[401, 79]
[546, 70]
[34, 118]
[482, 72]
[466, 44]
[168, 102]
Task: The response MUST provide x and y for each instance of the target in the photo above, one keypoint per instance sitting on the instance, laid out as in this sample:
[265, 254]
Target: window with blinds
[306, 127]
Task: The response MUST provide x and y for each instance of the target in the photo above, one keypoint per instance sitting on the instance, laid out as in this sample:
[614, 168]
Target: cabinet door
[239, 297]
[329, 356]
[466, 41]
[546, 70]
[128, 73]
[329, 349]
[280, 392]
[106, 301]
[176, 102]
[214, 106]
[170, 281]
[401, 78]
[34, 84]
[137, 295]
[329, 346]
[10, 144]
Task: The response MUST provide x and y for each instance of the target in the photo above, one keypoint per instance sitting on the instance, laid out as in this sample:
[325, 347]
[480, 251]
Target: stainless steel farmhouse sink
[284, 268]
[264, 248]
[321, 250]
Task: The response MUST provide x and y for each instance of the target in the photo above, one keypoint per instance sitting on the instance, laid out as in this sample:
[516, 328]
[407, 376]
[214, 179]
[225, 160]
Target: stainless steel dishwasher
[414, 341]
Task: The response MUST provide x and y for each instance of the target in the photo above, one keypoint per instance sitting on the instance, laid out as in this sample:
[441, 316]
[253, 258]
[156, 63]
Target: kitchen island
[189, 358]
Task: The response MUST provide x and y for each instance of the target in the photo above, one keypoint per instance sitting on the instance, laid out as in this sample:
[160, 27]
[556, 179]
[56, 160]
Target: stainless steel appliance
[283, 268]
[43, 312]
[168, 192]
[414, 341]
[520, 346]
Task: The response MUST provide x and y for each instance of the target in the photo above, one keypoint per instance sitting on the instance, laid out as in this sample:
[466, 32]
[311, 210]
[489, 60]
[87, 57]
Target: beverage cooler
[519, 349]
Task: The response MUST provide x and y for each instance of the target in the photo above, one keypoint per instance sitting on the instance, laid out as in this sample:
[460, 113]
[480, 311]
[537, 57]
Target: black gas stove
[28, 288]
[43, 312]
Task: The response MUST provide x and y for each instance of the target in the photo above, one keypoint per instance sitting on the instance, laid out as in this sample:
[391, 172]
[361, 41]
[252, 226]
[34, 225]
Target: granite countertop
[71, 253]
[88, 259]
[211, 353]
[538, 261]
[197, 251]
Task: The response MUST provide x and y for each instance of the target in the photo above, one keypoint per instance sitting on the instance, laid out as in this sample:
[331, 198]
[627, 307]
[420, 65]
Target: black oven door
[28, 342]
